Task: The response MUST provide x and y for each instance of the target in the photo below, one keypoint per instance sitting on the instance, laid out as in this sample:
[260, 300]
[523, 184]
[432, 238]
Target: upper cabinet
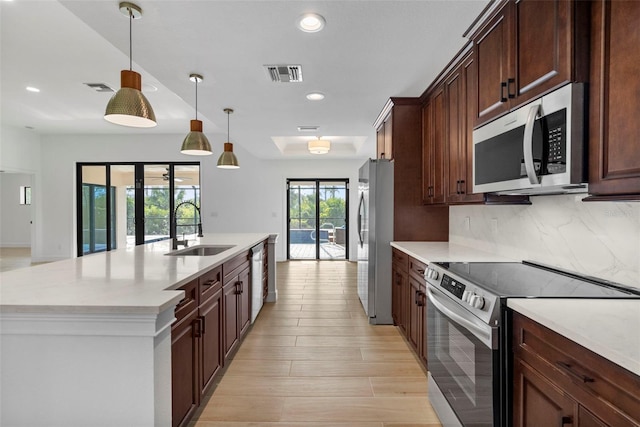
[614, 130]
[526, 49]
[433, 147]
[384, 139]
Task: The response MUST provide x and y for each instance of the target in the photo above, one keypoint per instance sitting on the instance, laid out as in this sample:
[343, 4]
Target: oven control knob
[432, 274]
[466, 296]
[477, 302]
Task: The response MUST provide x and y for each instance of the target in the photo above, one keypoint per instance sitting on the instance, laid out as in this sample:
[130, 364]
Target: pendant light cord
[130, 40]
[196, 98]
[228, 139]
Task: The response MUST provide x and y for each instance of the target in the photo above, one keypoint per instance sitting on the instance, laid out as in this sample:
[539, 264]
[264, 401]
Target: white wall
[250, 199]
[15, 218]
[600, 239]
[20, 153]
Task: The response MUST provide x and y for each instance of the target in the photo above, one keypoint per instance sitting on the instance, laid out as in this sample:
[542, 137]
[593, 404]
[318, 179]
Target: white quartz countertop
[428, 252]
[129, 280]
[610, 328]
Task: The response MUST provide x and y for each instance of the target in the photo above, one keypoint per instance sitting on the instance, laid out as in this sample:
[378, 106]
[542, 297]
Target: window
[25, 195]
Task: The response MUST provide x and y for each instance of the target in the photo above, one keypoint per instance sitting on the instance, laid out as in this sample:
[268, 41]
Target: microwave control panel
[555, 131]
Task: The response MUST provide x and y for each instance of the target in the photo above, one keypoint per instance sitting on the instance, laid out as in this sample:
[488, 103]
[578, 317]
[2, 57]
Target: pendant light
[196, 143]
[129, 107]
[319, 146]
[227, 159]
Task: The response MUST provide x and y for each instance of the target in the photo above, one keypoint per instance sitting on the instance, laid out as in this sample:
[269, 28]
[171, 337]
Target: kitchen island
[87, 341]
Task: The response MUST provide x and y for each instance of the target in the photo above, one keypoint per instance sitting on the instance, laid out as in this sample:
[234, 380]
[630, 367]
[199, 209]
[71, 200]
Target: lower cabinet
[210, 323]
[408, 301]
[236, 301]
[560, 383]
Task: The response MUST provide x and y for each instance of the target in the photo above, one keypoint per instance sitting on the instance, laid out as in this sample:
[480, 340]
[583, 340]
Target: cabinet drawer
[604, 388]
[210, 282]
[234, 266]
[190, 301]
[417, 268]
[400, 259]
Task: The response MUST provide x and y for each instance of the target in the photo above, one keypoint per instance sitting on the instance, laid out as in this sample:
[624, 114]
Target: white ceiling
[367, 52]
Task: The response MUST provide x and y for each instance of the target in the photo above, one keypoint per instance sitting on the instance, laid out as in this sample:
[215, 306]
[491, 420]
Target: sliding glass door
[317, 219]
[139, 206]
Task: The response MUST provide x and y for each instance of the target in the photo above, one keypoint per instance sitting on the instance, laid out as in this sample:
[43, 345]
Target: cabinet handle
[567, 368]
[197, 332]
[458, 187]
[567, 421]
[420, 302]
[238, 291]
[463, 188]
[419, 270]
[209, 282]
[204, 325]
[511, 82]
[503, 86]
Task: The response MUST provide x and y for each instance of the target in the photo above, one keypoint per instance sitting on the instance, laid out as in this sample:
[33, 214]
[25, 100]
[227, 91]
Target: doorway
[317, 219]
[128, 204]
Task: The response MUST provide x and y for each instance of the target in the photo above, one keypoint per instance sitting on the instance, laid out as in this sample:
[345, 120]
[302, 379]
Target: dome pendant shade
[196, 143]
[319, 146]
[227, 159]
[129, 107]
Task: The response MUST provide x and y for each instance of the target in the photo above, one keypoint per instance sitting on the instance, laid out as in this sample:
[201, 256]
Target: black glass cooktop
[528, 280]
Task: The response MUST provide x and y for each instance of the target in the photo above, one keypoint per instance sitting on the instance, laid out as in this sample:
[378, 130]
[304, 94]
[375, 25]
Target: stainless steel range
[468, 334]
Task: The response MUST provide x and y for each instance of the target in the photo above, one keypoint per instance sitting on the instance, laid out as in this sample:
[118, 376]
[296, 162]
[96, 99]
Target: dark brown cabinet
[528, 48]
[433, 149]
[558, 382]
[460, 107]
[384, 139]
[614, 131]
[196, 355]
[409, 301]
[401, 121]
[236, 301]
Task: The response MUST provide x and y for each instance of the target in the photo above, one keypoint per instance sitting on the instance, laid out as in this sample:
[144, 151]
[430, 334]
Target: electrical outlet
[467, 223]
[214, 214]
[494, 225]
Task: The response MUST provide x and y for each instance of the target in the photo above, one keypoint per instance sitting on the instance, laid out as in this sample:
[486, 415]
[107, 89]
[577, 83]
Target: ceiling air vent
[284, 73]
[99, 87]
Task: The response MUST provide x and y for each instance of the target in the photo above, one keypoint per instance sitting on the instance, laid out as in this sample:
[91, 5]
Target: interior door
[303, 220]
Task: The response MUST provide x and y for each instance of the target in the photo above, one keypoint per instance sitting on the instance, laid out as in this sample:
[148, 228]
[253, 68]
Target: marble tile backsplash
[600, 239]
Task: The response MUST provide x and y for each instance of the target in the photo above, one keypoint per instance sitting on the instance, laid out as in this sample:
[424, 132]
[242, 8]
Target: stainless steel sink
[201, 250]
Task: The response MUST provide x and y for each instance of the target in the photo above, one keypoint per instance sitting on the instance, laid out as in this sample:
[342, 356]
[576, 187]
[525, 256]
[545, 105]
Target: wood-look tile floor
[312, 360]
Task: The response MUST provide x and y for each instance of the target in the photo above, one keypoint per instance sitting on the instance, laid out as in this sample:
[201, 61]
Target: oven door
[463, 362]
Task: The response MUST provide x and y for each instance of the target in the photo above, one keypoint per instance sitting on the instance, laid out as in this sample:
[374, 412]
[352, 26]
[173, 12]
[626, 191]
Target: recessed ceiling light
[315, 96]
[311, 22]
[32, 89]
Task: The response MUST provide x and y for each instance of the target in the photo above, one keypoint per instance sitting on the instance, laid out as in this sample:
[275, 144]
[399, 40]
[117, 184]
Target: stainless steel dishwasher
[256, 281]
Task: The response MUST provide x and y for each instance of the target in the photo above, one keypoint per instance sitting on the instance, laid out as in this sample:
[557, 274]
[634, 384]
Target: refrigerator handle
[360, 206]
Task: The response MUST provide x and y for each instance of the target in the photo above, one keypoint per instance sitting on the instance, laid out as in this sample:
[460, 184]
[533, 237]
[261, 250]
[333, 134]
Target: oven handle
[481, 330]
[527, 145]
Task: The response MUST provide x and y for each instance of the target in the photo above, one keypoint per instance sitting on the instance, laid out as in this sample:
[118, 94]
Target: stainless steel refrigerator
[375, 232]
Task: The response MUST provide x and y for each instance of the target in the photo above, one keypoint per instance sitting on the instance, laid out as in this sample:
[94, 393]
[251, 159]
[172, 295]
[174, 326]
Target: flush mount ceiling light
[319, 146]
[32, 89]
[227, 159]
[311, 22]
[196, 143]
[315, 96]
[129, 107]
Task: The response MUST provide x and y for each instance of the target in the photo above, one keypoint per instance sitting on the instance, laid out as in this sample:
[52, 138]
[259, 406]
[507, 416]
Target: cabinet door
[423, 324]
[415, 326]
[427, 155]
[543, 47]
[455, 135]
[536, 401]
[388, 138]
[185, 390]
[438, 144]
[469, 112]
[396, 297]
[244, 301]
[380, 142]
[211, 360]
[614, 145]
[230, 293]
[492, 50]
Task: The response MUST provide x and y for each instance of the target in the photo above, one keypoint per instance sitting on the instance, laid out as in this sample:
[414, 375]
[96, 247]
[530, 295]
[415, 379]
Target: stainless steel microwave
[539, 148]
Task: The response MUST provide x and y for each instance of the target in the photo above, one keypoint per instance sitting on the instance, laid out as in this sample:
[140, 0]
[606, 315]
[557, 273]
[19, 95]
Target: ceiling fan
[165, 177]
